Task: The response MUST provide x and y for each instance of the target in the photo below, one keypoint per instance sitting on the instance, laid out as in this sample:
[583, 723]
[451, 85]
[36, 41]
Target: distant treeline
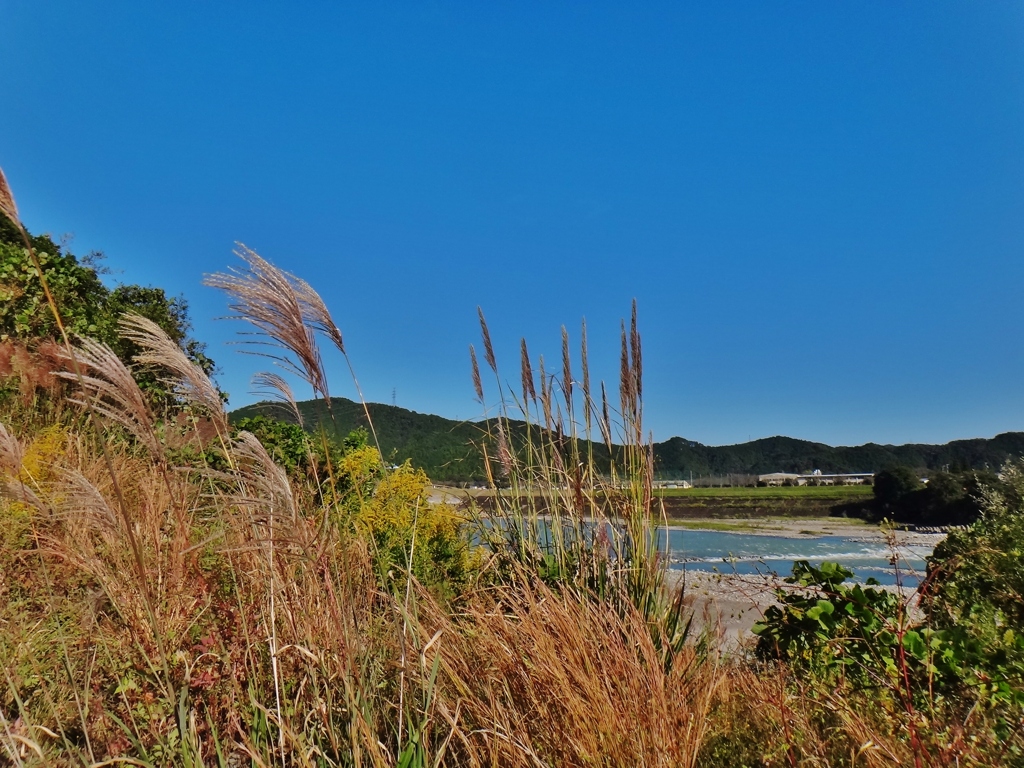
[677, 457]
[449, 450]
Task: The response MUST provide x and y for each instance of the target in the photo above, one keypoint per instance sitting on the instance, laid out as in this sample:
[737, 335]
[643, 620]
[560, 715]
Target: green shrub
[823, 624]
[408, 532]
[976, 588]
[87, 306]
[288, 444]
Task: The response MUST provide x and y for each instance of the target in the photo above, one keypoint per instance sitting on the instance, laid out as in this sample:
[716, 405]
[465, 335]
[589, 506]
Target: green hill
[448, 450]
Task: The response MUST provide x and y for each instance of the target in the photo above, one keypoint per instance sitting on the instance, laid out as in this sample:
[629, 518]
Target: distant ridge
[446, 450]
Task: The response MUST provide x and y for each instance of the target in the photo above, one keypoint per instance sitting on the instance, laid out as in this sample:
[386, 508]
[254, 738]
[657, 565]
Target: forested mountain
[448, 450]
[676, 457]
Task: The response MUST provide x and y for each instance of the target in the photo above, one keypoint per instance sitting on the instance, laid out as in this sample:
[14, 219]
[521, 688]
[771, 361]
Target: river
[747, 553]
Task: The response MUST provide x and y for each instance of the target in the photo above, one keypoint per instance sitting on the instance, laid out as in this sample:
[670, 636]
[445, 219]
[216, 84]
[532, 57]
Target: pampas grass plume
[7, 206]
[185, 378]
[488, 349]
[478, 385]
[526, 371]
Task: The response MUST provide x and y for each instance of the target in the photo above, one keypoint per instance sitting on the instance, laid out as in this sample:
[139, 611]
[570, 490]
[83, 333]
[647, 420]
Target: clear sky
[818, 206]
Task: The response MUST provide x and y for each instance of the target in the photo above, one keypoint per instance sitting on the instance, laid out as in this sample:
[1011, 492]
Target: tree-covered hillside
[446, 449]
[677, 457]
[449, 450]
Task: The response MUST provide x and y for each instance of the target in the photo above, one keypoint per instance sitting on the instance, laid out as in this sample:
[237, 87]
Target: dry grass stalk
[274, 385]
[636, 355]
[543, 677]
[625, 377]
[11, 451]
[488, 348]
[84, 506]
[478, 385]
[585, 365]
[288, 314]
[276, 302]
[526, 374]
[606, 421]
[20, 491]
[186, 379]
[545, 394]
[110, 390]
[316, 314]
[504, 455]
[7, 205]
[566, 372]
[12, 454]
[264, 488]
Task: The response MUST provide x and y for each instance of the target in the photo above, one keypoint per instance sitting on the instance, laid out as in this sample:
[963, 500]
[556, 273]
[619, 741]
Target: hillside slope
[448, 451]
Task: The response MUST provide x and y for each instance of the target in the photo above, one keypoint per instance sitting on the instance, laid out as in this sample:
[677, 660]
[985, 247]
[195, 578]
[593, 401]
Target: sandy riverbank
[728, 604]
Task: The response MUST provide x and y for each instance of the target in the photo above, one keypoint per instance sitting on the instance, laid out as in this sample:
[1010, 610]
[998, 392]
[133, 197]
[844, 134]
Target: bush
[976, 580]
[87, 306]
[866, 637]
[290, 446]
[823, 624]
[408, 533]
[893, 483]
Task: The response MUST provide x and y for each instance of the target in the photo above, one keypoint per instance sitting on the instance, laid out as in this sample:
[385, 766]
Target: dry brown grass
[534, 676]
[275, 303]
[305, 637]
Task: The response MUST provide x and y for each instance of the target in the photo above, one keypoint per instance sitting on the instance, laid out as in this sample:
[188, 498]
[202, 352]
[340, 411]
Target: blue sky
[818, 206]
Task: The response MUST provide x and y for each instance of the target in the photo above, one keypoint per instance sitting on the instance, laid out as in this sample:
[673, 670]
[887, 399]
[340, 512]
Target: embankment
[705, 503]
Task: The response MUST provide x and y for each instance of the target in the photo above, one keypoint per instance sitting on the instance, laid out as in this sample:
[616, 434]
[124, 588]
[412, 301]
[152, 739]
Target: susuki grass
[169, 595]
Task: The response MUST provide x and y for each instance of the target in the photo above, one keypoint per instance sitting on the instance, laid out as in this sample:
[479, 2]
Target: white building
[817, 477]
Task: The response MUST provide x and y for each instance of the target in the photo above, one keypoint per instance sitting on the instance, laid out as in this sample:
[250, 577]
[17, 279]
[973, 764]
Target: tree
[892, 484]
[76, 288]
[87, 306]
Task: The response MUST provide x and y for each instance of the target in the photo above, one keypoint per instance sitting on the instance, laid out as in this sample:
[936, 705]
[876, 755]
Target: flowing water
[746, 553]
[868, 556]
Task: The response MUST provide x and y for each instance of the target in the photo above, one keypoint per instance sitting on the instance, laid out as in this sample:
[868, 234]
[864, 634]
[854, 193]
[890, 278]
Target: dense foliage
[948, 498]
[292, 448]
[87, 306]
[977, 582]
[865, 637]
[960, 654]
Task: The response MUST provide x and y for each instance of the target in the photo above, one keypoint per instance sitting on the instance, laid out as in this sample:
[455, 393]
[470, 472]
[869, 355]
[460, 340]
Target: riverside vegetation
[176, 590]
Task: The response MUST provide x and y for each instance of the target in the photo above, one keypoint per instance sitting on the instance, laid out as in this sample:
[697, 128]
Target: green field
[822, 492]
